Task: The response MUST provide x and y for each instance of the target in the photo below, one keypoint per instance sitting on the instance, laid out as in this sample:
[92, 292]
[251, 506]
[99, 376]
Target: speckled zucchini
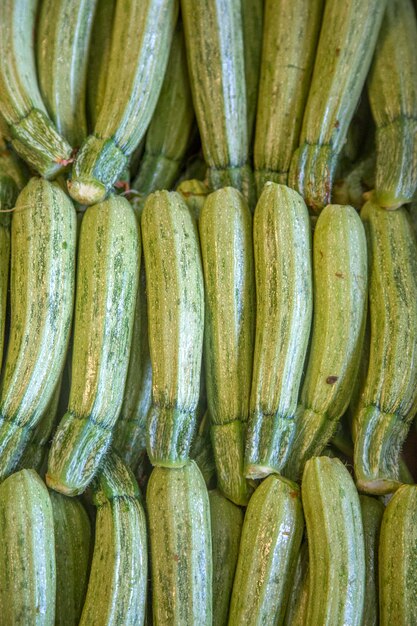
[392, 88]
[387, 404]
[289, 44]
[335, 543]
[33, 134]
[344, 54]
[252, 24]
[27, 552]
[72, 556]
[225, 225]
[181, 552]
[295, 614]
[282, 244]
[372, 512]
[117, 585]
[340, 303]
[271, 538]
[107, 281]
[175, 293]
[141, 40]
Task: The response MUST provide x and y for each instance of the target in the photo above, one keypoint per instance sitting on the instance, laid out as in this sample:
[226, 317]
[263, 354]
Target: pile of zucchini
[208, 295]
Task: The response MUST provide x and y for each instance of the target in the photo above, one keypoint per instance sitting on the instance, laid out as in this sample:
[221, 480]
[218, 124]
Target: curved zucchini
[372, 512]
[252, 25]
[271, 538]
[347, 40]
[181, 552]
[282, 244]
[116, 591]
[335, 543]
[107, 282]
[227, 252]
[296, 612]
[175, 292]
[27, 552]
[388, 397]
[141, 40]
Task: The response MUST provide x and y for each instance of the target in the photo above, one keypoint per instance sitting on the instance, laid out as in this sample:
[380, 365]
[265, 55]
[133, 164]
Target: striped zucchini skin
[336, 544]
[117, 585]
[282, 245]
[340, 303]
[72, 555]
[225, 225]
[226, 527]
[387, 403]
[169, 132]
[372, 512]
[252, 24]
[289, 44]
[27, 552]
[34, 136]
[107, 282]
[397, 559]
[42, 288]
[181, 551]
[271, 538]
[297, 602]
[141, 39]
[214, 41]
[63, 38]
[344, 53]
[175, 294]
[392, 88]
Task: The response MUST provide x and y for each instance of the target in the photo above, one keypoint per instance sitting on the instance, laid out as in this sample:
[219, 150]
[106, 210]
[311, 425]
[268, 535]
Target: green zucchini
[335, 543]
[225, 225]
[347, 40]
[271, 538]
[289, 44]
[107, 282]
[372, 512]
[175, 294]
[282, 244]
[72, 557]
[392, 88]
[340, 302]
[140, 44]
[181, 552]
[295, 614]
[252, 25]
[27, 552]
[387, 403]
[116, 592]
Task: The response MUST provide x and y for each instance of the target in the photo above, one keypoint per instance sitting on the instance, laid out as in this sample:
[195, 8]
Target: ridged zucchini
[27, 552]
[271, 538]
[116, 593]
[252, 25]
[107, 282]
[181, 552]
[296, 612]
[372, 512]
[225, 226]
[282, 244]
[175, 294]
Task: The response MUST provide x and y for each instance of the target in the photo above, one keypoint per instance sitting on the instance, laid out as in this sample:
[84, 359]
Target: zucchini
[271, 538]
[107, 282]
[252, 25]
[227, 252]
[116, 592]
[175, 294]
[295, 614]
[181, 552]
[372, 512]
[27, 552]
[282, 244]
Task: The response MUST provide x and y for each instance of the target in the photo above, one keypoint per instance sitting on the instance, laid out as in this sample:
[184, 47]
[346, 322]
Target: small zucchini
[372, 512]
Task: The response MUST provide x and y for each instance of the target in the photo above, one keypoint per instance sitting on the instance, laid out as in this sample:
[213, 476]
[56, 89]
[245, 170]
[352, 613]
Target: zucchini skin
[225, 226]
[271, 538]
[393, 97]
[107, 281]
[340, 304]
[344, 53]
[27, 552]
[336, 544]
[181, 551]
[252, 25]
[386, 405]
[372, 512]
[295, 614]
[43, 235]
[117, 585]
[282, 246]
[175, 296]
